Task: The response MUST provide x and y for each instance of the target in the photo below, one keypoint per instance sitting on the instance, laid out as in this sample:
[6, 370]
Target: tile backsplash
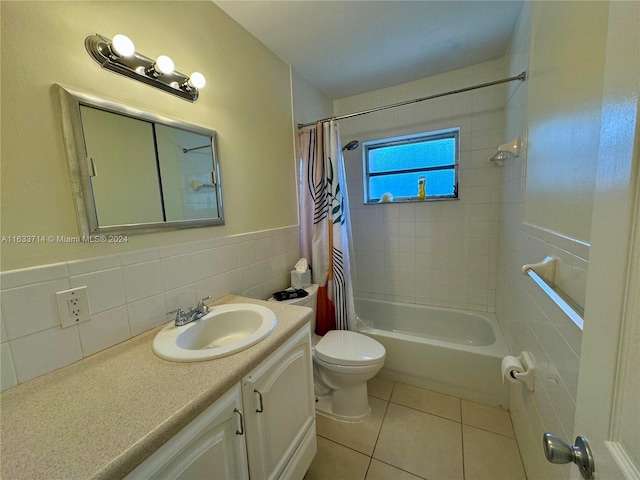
[129, 294]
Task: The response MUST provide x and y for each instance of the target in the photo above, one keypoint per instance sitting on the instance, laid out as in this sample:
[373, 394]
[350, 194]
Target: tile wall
[437, 253]
[529, 320]
[195, 166]
[129, 294]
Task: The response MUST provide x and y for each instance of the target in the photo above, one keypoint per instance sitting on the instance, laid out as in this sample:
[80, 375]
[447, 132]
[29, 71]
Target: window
[412, 168]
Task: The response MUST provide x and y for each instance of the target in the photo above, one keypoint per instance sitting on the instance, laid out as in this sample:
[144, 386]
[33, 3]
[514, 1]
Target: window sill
[411, 200]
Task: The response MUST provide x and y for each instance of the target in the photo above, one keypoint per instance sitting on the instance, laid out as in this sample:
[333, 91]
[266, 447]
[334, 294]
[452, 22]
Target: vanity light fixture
[119, 55]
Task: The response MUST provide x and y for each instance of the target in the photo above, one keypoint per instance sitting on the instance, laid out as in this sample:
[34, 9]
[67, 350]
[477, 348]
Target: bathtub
[450, 351]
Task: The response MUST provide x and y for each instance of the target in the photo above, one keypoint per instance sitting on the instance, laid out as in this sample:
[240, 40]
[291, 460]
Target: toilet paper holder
[519, 369]
[529, 374]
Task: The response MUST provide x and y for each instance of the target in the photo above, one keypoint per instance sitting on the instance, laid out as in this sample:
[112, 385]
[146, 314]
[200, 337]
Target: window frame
[453, 132]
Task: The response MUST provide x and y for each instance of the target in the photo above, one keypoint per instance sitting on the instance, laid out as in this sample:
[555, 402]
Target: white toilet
[343, 362]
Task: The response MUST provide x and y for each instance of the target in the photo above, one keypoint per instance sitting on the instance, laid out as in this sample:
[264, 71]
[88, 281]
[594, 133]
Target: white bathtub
[455, 352]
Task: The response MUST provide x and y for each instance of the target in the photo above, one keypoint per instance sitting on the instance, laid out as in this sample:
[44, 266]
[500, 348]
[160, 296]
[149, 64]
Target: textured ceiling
[350, 47]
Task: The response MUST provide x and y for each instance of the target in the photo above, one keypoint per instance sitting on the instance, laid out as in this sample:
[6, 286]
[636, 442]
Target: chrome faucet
[193, 314]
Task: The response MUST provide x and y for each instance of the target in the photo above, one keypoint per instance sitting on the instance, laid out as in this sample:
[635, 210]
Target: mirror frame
[70, 102]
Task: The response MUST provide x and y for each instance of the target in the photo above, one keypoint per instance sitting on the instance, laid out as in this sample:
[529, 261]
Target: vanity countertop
[100, 417]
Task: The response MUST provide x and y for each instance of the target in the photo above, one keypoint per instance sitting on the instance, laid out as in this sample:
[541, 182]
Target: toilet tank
[308, 301]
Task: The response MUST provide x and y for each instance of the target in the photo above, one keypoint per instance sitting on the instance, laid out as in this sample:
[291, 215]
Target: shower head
[352, 145]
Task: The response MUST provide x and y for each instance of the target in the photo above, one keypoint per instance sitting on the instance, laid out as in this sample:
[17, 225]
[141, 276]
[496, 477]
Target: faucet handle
[180, 316]
[202, 308]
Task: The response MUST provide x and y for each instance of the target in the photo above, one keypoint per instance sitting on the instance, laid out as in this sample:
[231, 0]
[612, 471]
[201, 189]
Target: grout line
[386, 409]
[423, 411]
[461, 423]
[367, 470]
[518, 446]
[378, 437]
[398, 468]
[343, 445]
[462, 442]
[489, 431]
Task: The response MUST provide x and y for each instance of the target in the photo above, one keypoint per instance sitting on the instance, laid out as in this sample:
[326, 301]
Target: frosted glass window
[412, 168]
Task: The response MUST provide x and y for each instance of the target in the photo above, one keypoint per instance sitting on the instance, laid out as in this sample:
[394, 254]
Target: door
[212, 446]
[608, 401]
[279, 406]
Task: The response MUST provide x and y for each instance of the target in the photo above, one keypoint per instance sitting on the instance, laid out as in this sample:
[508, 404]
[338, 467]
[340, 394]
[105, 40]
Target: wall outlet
[73, 306]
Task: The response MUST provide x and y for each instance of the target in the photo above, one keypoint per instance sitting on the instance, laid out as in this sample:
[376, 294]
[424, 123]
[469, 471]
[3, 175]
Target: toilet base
[324, 406]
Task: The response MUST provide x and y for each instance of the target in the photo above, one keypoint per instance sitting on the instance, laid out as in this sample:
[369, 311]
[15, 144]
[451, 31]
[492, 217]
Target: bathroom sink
[225, 330]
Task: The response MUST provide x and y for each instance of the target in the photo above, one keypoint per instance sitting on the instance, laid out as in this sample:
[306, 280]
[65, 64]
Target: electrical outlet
[73, 306]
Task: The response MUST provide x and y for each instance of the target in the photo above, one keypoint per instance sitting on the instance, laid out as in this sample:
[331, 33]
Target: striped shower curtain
[325, 225]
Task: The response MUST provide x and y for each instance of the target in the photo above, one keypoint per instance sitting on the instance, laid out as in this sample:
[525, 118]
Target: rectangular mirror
[134, 171]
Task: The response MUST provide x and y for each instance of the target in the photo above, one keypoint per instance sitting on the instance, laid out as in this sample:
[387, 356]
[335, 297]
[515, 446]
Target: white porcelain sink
[225, 330]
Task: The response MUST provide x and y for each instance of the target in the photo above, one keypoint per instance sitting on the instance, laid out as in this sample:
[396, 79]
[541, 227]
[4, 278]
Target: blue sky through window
[396, 168]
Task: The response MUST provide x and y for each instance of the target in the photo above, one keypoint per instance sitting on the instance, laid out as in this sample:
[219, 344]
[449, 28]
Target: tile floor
[417, 434]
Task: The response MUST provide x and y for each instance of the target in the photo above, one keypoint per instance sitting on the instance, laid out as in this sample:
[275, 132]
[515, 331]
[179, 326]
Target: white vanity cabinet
[263, 428]
[279, 409]
[207, 448]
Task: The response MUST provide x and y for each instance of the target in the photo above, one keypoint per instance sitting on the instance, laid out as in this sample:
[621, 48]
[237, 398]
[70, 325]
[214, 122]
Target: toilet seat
[342, 347]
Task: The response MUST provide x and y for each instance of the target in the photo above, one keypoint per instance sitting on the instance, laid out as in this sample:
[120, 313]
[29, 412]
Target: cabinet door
[279, 406]
[207, 448]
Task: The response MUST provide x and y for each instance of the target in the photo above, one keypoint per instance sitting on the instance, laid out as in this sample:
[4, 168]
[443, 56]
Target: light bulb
[197, 80]
[164, 64]
[122, 46]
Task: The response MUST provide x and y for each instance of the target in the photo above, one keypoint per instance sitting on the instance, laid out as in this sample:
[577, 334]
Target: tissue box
[300, 279]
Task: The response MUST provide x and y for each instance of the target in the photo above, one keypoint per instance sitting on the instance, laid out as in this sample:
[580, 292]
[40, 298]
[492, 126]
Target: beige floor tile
[420, 443]
[427, 401]
[487, 418]
[360, 436]
[380, 388]
[489, 456]
[335, 462]
[382, 471]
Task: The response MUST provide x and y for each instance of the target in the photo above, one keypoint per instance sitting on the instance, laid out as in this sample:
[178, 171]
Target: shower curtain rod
[522, 77]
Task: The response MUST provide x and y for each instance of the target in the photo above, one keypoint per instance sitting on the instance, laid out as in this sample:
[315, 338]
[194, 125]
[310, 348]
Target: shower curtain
[325, 225]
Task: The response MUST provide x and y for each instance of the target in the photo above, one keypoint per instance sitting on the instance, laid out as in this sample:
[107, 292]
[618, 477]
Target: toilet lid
[342, 347]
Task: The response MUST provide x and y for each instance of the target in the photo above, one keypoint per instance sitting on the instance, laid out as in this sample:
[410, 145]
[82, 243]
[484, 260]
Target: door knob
[558, 451]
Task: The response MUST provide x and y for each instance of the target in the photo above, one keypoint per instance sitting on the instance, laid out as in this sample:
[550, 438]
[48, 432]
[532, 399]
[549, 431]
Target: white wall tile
[142, 280]
[222, 241]
[139, 256]
[45, 351]
[249, 276]
[177, 271]
[147, 313]
[174, 250]
[263, 248]
[90, 265]
[427, 235]
[291, 241]
[8, 377]
[247, 253]
[3, 332]
[182, 297]
[227, 256]
[207, 244]
[206, 287]
[104, 330]
[228, 283]
[277, 245]
[32, 308]
[29, 276]
[105, 289]
[128, 295]
[205, 264]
